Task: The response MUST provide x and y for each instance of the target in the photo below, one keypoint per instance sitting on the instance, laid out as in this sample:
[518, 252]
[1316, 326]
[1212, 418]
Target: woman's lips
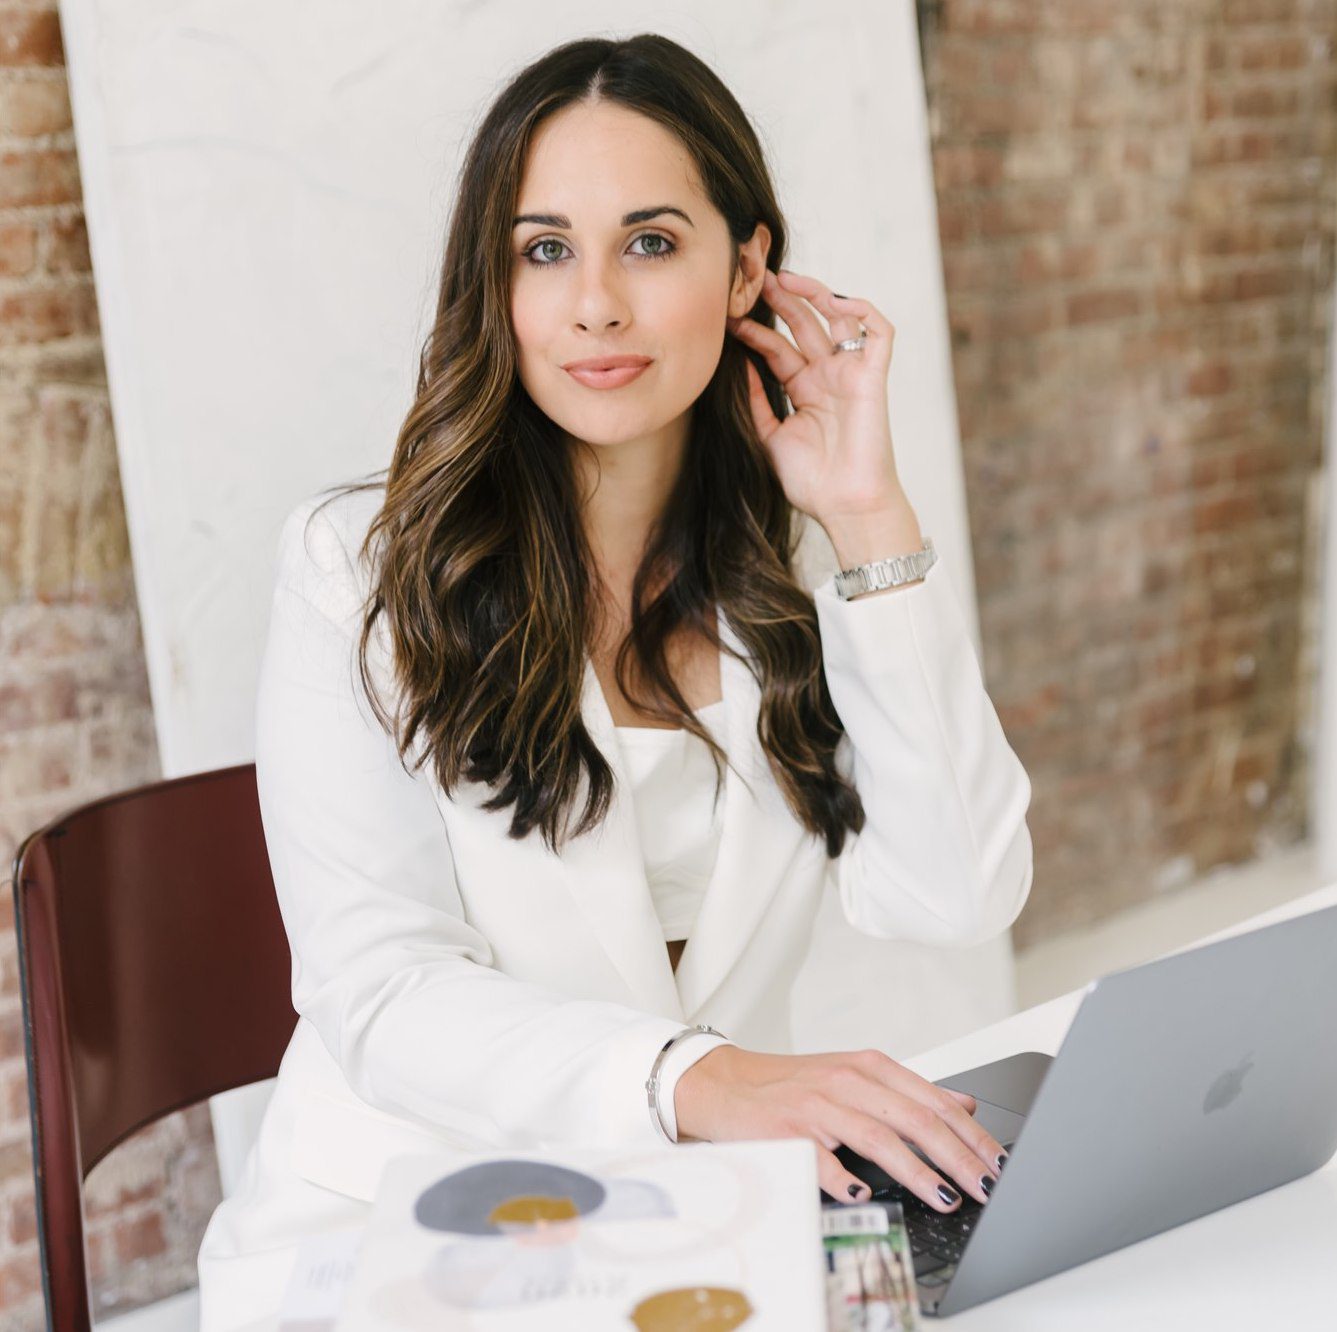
[605, 379]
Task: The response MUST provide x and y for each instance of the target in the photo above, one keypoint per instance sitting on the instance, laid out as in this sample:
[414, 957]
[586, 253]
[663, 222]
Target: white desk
[1268, 1262]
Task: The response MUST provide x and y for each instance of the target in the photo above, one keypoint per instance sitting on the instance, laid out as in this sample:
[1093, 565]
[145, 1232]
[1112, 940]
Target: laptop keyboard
[936, 1238]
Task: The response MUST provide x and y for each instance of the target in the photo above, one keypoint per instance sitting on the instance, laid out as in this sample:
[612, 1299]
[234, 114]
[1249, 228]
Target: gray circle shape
[462, 1202]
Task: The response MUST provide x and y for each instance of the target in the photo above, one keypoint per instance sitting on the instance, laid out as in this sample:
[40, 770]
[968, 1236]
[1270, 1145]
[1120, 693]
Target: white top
[677, 816]
[678, 822]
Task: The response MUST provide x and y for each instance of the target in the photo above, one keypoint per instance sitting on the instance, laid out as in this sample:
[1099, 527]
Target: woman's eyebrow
[628, 219]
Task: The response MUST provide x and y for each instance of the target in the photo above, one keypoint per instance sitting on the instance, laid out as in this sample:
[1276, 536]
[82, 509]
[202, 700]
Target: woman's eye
[539, 245]
[661, 248]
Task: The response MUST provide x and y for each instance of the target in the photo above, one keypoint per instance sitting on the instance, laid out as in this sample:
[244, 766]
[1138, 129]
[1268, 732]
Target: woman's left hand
[833, 455]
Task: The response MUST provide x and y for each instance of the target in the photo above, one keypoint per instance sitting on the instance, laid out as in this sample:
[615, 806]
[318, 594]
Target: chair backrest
[155, 972]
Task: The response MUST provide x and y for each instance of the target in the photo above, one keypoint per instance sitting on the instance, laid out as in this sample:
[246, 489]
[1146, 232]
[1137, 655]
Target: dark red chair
[155, 972]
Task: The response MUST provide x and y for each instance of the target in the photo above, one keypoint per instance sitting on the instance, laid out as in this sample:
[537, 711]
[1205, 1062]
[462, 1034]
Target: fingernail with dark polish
[841, 294]
[857, 1190]
[1002, 1156]
[986, 1183]
[948, 1194]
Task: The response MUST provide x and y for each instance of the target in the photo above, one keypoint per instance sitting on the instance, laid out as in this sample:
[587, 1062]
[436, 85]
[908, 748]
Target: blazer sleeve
[399, 986]
[945, 855]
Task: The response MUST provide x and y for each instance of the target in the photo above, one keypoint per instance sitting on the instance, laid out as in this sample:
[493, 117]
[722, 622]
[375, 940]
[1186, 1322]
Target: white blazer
[457, 986]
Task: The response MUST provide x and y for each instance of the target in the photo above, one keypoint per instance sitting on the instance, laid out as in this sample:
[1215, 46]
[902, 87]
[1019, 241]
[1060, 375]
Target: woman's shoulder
[334, 519]
[320, 545]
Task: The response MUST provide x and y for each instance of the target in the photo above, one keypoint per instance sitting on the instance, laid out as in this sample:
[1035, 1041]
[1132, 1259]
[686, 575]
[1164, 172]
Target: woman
[558, 745]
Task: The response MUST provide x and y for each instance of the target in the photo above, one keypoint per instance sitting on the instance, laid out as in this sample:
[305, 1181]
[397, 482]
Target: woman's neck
[624, 489]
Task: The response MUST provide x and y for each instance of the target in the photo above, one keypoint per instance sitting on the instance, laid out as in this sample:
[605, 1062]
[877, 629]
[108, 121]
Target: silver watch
[886, 573]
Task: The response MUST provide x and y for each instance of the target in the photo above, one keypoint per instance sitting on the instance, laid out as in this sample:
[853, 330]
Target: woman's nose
[600, 302]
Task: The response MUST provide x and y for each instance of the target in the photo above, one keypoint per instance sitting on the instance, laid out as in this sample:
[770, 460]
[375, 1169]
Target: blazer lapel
[605, 868]
[746, 873]
[605, 873]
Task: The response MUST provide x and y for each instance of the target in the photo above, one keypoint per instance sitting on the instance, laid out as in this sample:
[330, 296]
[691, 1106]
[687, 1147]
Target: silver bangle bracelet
[652, 1082]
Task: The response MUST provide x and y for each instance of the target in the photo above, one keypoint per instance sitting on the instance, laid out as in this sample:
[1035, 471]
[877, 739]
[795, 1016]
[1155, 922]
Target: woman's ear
[750, 270]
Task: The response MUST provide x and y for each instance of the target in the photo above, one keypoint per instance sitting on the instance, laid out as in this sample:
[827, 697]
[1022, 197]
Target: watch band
[891, 572]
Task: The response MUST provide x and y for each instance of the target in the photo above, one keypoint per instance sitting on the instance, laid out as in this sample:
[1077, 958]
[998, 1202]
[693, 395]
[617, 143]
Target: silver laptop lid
[1182, 1086]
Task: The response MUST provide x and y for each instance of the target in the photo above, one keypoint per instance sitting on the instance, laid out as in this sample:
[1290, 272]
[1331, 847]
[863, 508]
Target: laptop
[1182, 1086]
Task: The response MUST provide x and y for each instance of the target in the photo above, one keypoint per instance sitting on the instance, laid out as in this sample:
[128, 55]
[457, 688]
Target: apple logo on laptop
[1227, 1086]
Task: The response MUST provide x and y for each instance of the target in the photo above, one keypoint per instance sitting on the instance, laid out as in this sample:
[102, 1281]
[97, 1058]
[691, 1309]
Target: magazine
[698, 1235]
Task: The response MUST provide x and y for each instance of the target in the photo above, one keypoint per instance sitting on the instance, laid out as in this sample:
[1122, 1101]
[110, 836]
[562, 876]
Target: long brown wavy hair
[480, 560]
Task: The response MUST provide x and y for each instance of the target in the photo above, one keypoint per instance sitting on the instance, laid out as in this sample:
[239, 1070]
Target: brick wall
[1136, 205]
[75, 717]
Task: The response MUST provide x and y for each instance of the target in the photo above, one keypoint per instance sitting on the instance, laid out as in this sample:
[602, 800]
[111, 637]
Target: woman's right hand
[863, 1099]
